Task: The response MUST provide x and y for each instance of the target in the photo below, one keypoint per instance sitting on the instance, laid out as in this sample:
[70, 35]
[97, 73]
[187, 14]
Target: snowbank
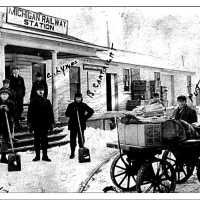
[62, 174]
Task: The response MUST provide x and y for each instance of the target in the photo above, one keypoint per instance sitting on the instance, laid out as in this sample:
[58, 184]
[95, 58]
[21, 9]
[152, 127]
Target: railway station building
[36, 42]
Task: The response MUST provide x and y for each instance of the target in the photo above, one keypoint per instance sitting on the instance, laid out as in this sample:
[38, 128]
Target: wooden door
[38, 67]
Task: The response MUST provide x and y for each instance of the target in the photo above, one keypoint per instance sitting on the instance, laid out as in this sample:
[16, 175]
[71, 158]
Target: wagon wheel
[183, 170]
[156, 176]
[123, 172]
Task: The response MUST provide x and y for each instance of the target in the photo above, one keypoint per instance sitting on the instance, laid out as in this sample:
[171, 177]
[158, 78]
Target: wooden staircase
[25, 140]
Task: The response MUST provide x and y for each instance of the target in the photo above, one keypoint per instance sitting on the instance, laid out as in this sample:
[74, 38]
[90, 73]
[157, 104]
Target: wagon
[141, 164]
[184, 157]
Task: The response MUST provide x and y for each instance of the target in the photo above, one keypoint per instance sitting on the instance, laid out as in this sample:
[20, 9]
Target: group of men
[40, 117]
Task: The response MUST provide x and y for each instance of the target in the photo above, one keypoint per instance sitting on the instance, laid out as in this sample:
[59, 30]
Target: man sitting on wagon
[187, 117]
[184, 112]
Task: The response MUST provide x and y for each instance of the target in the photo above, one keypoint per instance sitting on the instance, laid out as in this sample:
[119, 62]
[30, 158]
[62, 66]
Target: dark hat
[156, 95]
[78, 94]
[15, 68]
[6, 81]
[38, 74]
[181, 98]
[4, 90]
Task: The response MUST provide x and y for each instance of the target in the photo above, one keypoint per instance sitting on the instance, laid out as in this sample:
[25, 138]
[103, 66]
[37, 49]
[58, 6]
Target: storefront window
[74, 77]
[126, 79]
[135, 74]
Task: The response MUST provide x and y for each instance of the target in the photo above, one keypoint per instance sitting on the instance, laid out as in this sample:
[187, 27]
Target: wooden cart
[143, 167]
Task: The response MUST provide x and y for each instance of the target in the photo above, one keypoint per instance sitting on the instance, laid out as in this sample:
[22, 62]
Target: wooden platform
[133, 148]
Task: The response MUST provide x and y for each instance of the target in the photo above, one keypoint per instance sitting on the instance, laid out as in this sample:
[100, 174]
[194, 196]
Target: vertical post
[2, 63]
[172, 90]
[108, 35]
[54, 89]
[116, 92]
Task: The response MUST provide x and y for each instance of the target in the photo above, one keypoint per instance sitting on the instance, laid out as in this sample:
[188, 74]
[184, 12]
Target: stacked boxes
[138, 90]
[140, 134]
[131, 104]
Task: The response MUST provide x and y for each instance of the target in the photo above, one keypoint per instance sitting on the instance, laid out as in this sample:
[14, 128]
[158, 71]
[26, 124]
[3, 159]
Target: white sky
[96, 32]
[153, 12]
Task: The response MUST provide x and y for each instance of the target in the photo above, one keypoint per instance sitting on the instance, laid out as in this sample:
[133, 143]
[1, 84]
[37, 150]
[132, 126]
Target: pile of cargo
[153, 110]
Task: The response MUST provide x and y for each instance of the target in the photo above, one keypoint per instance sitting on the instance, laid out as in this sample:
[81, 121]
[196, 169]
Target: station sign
[36, 20]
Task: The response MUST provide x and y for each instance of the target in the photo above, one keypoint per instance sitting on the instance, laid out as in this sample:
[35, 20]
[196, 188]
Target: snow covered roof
[67, 38]
[119, 55]
[146, 61]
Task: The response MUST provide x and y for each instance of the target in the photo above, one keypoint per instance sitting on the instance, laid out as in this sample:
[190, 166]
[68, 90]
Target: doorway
[38, 67]
[112, 92]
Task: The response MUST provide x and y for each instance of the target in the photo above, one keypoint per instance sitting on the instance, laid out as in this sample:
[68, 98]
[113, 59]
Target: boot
[3, 158]
[45, 156]
[72, 155]
[37, 157]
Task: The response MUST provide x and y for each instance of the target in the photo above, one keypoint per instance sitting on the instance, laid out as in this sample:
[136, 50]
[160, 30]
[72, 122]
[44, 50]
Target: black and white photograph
[99, 99]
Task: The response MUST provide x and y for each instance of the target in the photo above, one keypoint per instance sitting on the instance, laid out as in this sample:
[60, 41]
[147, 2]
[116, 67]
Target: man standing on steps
[40, 119]
[85, 112]
[18, 86]
[39, 81]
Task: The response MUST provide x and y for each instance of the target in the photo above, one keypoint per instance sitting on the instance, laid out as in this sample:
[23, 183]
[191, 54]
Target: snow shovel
[83, 152]
[14, 160]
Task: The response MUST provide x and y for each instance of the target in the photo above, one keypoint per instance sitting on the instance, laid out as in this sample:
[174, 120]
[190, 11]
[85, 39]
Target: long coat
[10, 114]
[36, 84]
[18, 86]
[40, 114]
[186, 113]
[85, 112]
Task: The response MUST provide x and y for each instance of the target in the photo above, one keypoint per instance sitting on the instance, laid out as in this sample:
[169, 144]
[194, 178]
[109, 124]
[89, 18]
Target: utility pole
[182, 57]
[108, 35]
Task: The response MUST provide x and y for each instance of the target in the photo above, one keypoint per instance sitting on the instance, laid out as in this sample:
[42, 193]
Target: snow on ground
[62, 174]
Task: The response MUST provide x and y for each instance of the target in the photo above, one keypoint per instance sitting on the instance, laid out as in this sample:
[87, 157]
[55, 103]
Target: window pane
[126, 79]
[74, 77]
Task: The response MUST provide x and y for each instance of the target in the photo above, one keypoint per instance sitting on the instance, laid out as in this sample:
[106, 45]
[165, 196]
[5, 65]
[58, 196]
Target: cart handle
[119, 146]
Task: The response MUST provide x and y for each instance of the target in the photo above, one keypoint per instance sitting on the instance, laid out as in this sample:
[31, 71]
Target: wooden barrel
[173, 130]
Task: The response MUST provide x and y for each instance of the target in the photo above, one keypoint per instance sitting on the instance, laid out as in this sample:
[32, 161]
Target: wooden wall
[98, 101]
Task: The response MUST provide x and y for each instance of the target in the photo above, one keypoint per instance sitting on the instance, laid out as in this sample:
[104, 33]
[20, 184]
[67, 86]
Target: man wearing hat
[40, 119]
[6, 85]
[85, 112]
[6, 105]
[18, 86]
[39, 81]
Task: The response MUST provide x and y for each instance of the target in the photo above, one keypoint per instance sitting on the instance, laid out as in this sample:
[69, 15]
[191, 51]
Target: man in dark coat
[6, 105]
[40, 120]
[184, 112]
[18, 86]
[84, 112]
[37, 83]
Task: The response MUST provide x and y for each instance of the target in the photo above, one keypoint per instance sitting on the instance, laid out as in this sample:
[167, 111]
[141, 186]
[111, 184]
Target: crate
[131, 104]
[140, 134]
[138, 85]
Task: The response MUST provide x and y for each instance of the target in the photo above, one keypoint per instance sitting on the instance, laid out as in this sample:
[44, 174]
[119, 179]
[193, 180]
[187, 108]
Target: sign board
[36, 20]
